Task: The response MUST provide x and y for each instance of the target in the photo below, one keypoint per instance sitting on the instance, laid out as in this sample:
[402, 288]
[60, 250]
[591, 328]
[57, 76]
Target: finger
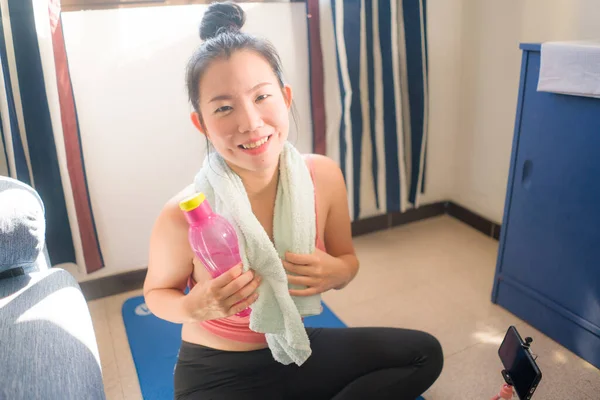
[297, 269]
[226, 278]
[300, 259]
[236, 284]
[243, 293]
[301, 280]
[241, 306]
[311, 291]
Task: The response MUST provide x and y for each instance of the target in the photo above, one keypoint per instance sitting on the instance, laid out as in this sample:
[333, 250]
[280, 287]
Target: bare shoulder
[170, 228]
[328, 174]
[170, 256]
[171, 210]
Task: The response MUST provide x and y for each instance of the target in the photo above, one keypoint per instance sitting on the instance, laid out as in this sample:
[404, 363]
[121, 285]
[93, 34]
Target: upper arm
[331, 189]
[171, 259]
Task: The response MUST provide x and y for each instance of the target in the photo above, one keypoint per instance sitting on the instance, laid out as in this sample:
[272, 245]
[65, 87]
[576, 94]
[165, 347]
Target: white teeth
[256, 144]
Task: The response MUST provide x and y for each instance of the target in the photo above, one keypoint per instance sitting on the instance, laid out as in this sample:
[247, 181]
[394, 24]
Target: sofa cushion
[48, 347]
[22, 227]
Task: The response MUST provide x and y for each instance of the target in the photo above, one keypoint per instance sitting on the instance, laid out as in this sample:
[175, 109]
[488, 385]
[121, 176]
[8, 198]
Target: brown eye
[222, 109]
[262, 97]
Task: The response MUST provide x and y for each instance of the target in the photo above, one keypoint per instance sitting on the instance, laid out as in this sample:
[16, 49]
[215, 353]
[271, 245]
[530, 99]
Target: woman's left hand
[319, 272]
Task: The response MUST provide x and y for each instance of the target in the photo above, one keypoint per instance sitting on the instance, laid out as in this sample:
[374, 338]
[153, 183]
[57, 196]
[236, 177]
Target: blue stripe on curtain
[427, 75]
[352, 36]
[371, 83]
[390, 120]
[40, 135]
[416, 58]
[342, 136]
[22, 170]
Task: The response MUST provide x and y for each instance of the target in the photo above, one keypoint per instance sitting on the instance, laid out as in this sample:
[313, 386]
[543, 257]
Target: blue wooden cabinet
[548, 270]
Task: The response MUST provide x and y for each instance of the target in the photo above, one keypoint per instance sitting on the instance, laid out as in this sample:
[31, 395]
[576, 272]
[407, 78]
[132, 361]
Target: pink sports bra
[238, 328]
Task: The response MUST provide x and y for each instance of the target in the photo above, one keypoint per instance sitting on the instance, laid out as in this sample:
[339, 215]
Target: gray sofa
[48, 348]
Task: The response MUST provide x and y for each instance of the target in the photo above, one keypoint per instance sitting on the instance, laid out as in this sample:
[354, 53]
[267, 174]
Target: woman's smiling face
[244, 110]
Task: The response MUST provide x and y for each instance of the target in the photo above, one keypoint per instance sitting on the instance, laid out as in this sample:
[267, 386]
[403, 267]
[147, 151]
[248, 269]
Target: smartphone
[520, 369]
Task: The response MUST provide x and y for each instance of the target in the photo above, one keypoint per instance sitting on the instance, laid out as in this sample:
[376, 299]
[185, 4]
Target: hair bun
[220, 18]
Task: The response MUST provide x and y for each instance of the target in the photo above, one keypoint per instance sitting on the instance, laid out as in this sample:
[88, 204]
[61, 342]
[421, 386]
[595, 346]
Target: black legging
[346, 363]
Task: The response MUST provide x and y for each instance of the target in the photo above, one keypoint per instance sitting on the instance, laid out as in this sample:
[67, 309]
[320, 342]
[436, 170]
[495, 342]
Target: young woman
[241, 104]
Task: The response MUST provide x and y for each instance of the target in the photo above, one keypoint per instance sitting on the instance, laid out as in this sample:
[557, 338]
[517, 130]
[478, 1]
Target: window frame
[81, 5]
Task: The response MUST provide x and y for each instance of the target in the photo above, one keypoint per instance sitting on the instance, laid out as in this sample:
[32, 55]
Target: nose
[249, 119]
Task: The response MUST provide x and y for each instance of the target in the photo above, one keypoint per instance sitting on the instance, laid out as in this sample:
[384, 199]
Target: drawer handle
[527, 172]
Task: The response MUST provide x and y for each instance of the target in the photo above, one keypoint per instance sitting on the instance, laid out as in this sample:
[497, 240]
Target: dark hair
[220, 31]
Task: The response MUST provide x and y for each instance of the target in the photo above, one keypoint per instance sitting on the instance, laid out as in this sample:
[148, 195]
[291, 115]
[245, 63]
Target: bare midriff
[196, 333]
[232, 333]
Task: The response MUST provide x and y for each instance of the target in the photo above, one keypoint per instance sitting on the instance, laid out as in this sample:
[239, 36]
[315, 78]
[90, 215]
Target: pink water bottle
[212, 238]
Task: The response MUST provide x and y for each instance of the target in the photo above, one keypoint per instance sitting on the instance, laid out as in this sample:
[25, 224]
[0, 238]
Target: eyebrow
[228, 97]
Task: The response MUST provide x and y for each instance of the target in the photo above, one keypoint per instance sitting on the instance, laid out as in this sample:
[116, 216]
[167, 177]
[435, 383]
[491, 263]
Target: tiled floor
[434, 275]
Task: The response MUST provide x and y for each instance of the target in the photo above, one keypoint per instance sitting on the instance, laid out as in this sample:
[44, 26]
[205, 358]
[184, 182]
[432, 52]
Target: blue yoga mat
[154, 345]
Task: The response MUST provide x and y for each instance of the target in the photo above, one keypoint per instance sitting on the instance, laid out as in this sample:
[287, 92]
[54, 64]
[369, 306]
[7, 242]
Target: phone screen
[518, 363]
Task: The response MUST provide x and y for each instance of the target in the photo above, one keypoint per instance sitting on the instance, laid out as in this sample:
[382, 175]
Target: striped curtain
[369, 98]
[39, 128]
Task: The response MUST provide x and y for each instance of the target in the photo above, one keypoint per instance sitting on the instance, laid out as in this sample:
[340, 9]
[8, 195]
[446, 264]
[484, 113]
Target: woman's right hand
[223, 296]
